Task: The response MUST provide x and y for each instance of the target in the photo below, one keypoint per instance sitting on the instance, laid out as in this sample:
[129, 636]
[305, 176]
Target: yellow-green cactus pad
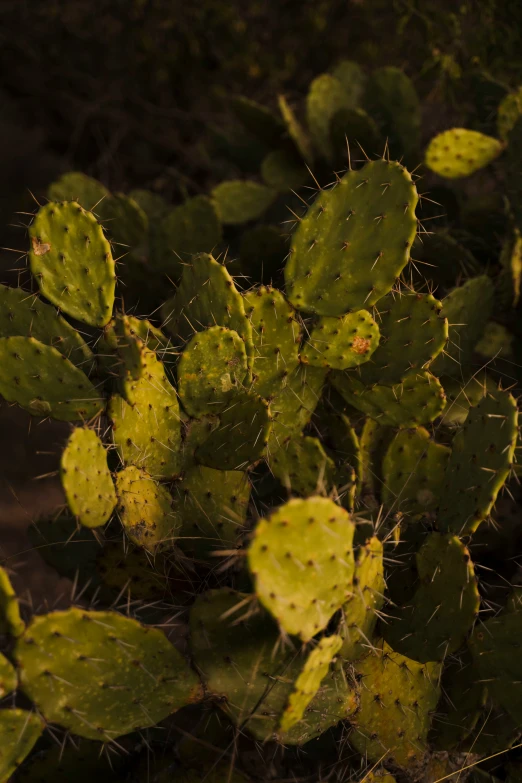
[8, 677]
[211, 369]
[293, 405]
[397, 698]
[72, 262]
[309, 681]
[326, 97]
[44, 382]
[440, 615]
[238, 201]
[414, 469]
[481, 458]
[302, 561]
[19, 732]
[73, 662]
[508, 112]
[354, 241]
[212, 506]
[303, 466]
[360, 613]
[460, 152]
[145, 510]
[86, 478]
[148, 432]
[276, 335]
[25, 315]
[342, 343]
[418, 399]
[242, 434]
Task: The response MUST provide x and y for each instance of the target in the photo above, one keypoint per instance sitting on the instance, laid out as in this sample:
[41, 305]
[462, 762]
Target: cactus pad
[25, 315]
[413, 333]
[72, 663]
[326, 97]
[276, 335]
[303, 467]
[418, 399]
[211, 368]
[464, 395]
[145, 510]
[44, 382]
[72, 262]
[508, 112]
[360, 612]
[460, 152]
[397, 698]
[19, 732]
[305, 576]
[342, 343]
[391, 97]
[238, 201]
[479, 465]
[86, 479]
[309, 681]
[462, 700]
[443, 609]
[75, 186]
[293, 405]
[242, 434]
[283, 170]
[334, 267]
[194, 227]
[133, 572]
[8, 677]
[148, 432]
[212, 506]
[10, 620]
[413, 472]
[257, 119]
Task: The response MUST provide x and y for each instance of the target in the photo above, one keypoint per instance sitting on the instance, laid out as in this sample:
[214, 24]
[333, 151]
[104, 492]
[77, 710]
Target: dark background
[134, 93]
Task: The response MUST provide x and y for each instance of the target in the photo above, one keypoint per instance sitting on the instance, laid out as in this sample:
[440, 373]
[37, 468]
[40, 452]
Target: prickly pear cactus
[19, 732]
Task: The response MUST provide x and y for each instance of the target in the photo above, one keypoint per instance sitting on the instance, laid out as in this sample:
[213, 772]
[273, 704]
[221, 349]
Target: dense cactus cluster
[309, 479]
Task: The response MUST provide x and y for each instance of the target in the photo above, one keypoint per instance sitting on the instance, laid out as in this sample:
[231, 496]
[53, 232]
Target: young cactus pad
[86, 479]
[211, 368]
[44, 382]
[479, 465]
[72, 262]
[342, 343]
[354, 241]
[145, 509]
[460, 152]
[72, 663]
[19, 732]
[302, 560]
[309, 681]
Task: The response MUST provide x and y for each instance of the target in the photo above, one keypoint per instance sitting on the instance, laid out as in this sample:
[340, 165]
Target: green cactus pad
[353, 79]
[418, 399]
[342, 343]
[195, 433]
[206, 297]
[479, 465]
[508, 112]
[283, 170]
[467, 310]
[510, 279]
[145, 510]
[72, 262]
[242, 434]
[360, 612]
[293, 405]
[355, 127]
[154, 205]
[127, 224]
[304, 576]
[397, 698]
[444, 607]
[495, 341]
[309, 681]
[463, 697]
[130, 349]
[338, 433]
[194, 227]
[413, 332]
[75, 186]
[73, 662]
[210, 370]
[107, 345]
[493, 646]
[8, 677]
[391, 97]
[326, 97]
[257, 120]
[238, 201]
[303, 467]
[295, 130]
[276, 335]
[354, 241]
[463, 395]
[414, 469]
[212, 506]
[148, 432]
[19, 732]
[460, 152]
[44, 382]
[133, 572]
[373, 441]
[25, 315]
[86, 479]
